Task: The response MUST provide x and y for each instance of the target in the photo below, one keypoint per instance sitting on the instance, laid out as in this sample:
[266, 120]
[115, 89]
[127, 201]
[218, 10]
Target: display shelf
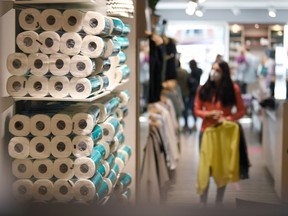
[55, 1]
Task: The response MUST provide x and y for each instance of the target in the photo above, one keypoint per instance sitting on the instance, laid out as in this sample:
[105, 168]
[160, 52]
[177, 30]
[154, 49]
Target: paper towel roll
[84, 190]
[27, 41]
[38, 64]
[121, 58]
[97, 133]
[40, 147]
[110, 128]
[19, 125]
[84, 122]
[22, 168]
[123, 42]
[72, 20]
[40, 125]
[43, 168]
[18, 147]
[95, 23]
[107, 107]
[22, 189]
[104, 169]
[63, 168]
[63, 190]
[81, 66]
[83, 146]
[122, 73]
[59, 86]
[59, 64]
[51, 19]
[124, 98]
[37, 86]
[61, 146]
[93, 46]
[102, 65]
[81, 88]
[118, 26]
[103, 148]
[85, 168]
[43, 190]
[70, 43]
[113, 47]
[16, 86]
[61, 124]
[97, 180]
[49, 42]
[29, 19]
[104, 81]
[17, 63]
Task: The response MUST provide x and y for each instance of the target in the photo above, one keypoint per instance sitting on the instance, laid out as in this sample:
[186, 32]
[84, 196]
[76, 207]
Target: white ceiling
[251, 11]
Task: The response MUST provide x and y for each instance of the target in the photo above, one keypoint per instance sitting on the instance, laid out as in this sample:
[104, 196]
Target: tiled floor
[259, 187]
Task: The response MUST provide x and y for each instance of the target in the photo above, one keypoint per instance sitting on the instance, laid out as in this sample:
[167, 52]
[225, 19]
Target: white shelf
[54, 1]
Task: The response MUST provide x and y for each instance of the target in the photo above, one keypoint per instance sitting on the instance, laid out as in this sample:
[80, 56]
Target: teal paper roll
[121, 156]
[126, 30]
[125, 179]
[104, 169]
[127, 193]
[124, 42]
[115, 169]
[112, 105]
[103, 190]
[103, 149]
[118, 26]
[97, 179]
[96, 157]
[127, 149]
[116, 124]
[112, 177]
[121, 137]
[97, 133]
[102, 65]
[84, 87]
[122, 57]
[105, 81]
[111, 160]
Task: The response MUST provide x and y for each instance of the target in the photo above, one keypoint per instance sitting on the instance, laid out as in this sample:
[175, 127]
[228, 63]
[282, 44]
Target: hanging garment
[219, 154]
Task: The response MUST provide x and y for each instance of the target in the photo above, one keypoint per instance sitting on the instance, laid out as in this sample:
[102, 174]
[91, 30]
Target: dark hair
[223, 92]
[192, 64]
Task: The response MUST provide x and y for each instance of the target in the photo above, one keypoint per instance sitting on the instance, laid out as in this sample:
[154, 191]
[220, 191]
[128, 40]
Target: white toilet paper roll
[51, 20]
[118, 26]
[17, 63]
[122, 112]
[38, 64]
[93, 46]
[122, 73]
[43, 190]
[59, 86]
[43, 168]
[59, 64]
[63, 190]
[107, 107]
[40, 125]
[97, 133]
[104, 189]
[85, 121]
[27, 41]
[22, 189]
[37, 86]
[16, 86]
[70, 43]
[95, 23]
[83, 146]
[113, 47]
[49, 42]
[102, 65]
[61, 124]
[121, 58]
[72, 20]
[40, 147]
[61, 146]
[104, 169]
[19, 125]
[104, 81]
[110, 128]
[22, 168]
[84, 190]
[97, 180]
[18, 147]
[81, 66]
[103, 148]
[85, 168]
[81, 88]
[29, 19]
[114, 144]
[124, 98]
[63, 168]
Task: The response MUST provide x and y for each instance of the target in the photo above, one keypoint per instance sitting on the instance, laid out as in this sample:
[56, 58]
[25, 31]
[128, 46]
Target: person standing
[193, 84]
[214, 103]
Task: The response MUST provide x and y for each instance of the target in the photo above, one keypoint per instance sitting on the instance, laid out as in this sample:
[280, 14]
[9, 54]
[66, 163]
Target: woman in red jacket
[215, 102]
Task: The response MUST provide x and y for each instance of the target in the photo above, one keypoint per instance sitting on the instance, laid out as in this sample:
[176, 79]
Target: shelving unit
[126, 84]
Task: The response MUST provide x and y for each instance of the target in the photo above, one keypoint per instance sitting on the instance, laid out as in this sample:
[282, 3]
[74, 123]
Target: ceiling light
[272, 12]
[235, 28]
[192, 5]
[199, 12]
[256, 26]
[236, 11]
[201, 1]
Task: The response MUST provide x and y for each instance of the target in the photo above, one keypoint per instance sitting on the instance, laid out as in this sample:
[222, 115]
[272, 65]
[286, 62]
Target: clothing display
[170, 56]
[219, 156]
[123, 8]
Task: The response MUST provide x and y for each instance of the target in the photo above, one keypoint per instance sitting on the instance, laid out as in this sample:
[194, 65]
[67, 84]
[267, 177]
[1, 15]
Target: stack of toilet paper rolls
[73, 153]
[67, 54]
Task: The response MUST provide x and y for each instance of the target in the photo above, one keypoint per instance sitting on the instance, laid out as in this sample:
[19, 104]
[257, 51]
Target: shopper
[193, 83]
[214, 103]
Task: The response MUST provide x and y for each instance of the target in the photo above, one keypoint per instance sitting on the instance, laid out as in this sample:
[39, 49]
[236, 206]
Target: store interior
[156, 159]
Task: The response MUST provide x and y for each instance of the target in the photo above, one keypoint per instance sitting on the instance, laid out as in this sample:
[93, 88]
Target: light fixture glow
[235, 28]
[236, 11]
[272, 12]
[199, 12]
[190, 11]
[201, 1]
[256, 26]
[191, 8]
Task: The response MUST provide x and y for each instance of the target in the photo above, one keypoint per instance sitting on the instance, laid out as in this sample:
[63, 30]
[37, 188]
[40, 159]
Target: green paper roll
[97, 133]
